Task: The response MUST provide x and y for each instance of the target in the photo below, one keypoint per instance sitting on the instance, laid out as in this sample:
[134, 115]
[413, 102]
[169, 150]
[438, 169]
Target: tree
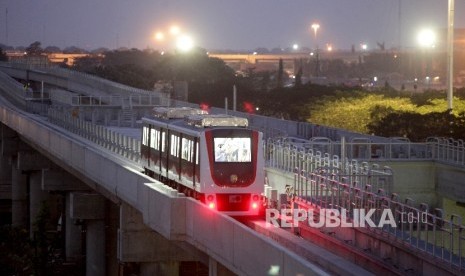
[34, 49]
[298, 76]
[52, 49]
[3, 56]
[279, 80]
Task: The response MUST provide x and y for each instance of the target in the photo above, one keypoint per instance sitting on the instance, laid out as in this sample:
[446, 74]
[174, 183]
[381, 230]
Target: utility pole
[6, 26]
[450, 54]
[399, 32]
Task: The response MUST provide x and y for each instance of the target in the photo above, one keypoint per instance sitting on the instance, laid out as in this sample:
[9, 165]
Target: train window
[155, 139]
[236, 149]
[153, 144]
[187, 146]
[198, 153]
[145, 136]
[163, 137]
[174, 145]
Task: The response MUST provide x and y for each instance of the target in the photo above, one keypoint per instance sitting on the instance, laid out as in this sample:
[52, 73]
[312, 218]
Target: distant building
[44, 59]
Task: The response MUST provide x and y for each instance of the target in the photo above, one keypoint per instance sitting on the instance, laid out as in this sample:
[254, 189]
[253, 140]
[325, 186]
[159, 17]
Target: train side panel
[223, 166]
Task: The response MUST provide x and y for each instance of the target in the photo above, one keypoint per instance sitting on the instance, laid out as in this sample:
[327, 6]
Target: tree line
[384, 112]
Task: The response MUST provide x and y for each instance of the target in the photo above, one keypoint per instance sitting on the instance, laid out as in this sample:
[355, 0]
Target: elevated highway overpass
[292, 62]
[105, 176]
[253, 58]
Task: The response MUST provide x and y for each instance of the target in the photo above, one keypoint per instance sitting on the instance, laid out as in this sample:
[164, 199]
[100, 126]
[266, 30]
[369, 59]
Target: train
[215, 158]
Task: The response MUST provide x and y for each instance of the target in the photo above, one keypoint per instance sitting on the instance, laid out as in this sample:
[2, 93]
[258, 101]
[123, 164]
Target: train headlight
[233, 178]
[211, 205]
[254, 205]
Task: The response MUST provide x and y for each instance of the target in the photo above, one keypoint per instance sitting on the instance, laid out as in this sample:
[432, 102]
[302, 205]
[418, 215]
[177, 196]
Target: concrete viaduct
[52, 157]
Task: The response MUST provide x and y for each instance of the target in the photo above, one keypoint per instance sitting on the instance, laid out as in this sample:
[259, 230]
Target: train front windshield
[237, 149]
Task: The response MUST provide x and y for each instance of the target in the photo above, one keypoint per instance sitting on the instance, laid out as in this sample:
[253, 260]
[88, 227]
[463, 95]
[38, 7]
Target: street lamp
[159, 36]
[315, 27]
[184, 43]
[426, 38]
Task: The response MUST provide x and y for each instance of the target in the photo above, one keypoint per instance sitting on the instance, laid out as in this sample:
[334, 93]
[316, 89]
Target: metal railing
[428, 231]
[131, 101]
[121, 144]
[443, 150]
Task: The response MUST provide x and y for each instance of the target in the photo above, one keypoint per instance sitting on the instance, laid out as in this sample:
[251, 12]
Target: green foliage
[16, 253]
[292, 102]
[142, 69]
[355, 111]
[417, 127]
[34, 49]
[390, 116]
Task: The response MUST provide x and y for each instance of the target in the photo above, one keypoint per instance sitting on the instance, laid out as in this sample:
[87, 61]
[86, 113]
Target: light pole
[315, 27]
[450, 54]
[427, 39]
[182, 42]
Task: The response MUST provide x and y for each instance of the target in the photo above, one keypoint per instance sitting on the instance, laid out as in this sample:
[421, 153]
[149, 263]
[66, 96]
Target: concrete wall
[451, 182]
[416, 180]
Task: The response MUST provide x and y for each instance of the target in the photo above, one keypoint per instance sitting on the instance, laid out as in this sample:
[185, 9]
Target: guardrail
[121, 144]
[130, 101]
[443, 150]
[428, 231]
[289, 158]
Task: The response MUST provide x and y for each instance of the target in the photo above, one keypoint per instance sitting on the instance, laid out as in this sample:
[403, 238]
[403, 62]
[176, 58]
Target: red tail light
[210, 201]
[255, 198]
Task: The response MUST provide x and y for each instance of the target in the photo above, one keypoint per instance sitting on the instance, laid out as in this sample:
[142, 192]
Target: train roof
[176, 112]
[216, 120]
[193, 120]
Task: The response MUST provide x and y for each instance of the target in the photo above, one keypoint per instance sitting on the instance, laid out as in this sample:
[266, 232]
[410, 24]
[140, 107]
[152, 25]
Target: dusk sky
[220, 24]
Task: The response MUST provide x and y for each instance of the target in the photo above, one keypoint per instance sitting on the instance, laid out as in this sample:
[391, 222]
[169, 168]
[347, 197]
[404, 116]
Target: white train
[214, 158]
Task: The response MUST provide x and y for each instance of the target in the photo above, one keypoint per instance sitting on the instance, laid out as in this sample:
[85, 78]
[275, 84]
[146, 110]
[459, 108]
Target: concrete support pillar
[170, 268]
[5, 178]
[95, 248]
[155, 254]
[91, 208]
[19, 198]
[37, 199]
[212, 267]
[217, 269]
[111, 243]
[73, 236]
